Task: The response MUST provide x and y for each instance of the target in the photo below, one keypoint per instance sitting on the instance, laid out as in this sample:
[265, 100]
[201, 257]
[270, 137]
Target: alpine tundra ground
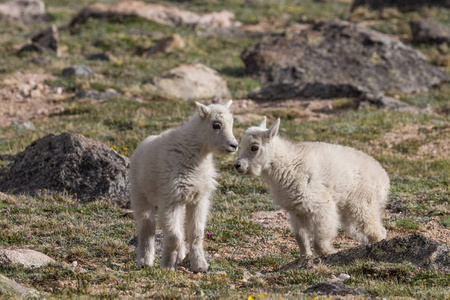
[247, 236]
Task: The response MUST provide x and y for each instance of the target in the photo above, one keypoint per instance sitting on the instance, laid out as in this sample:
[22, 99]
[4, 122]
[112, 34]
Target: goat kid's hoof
[200, 268]
[144, 264]
[169, 268]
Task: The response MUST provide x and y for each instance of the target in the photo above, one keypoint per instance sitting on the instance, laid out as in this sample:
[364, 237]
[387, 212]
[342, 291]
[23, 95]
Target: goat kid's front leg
[197, 215]
[301, 228]
[174, 250]
[146, 226]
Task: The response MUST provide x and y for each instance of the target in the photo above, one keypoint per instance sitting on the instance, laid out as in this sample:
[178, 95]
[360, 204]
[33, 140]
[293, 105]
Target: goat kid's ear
[273, 130]
[203, 110]
[228, 104]
[263, 122]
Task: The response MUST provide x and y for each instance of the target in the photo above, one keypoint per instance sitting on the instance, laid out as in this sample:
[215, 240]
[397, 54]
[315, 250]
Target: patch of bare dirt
[26, 97]
[418, 141]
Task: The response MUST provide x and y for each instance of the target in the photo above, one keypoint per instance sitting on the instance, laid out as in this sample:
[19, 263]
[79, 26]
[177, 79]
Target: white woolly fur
[321, 186]
[173, 174]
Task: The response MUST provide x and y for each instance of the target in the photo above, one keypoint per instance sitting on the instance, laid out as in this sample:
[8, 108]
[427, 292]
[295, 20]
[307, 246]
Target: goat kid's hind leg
[301, 228]
[325, 222]
[172, 221]
[146, 227]
[197, 215]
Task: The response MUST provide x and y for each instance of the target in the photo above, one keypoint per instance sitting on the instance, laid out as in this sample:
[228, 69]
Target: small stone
[166, 45]
[231, 193]
[341, 278]
[103, 56]
[93, 94]
[336, 288]
[35, 94]
[3, 196]
[74, 263]
[27, 125]
[78, 71]
[25, 90]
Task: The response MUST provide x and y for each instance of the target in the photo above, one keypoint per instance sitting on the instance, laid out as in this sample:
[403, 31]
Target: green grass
[96, 234]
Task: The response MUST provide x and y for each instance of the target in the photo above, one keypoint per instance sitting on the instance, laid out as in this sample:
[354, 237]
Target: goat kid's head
[255, 143]
[217, 131]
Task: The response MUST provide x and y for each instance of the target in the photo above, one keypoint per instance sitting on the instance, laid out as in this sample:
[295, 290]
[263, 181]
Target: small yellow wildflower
[289, 8]
[114, 147]
[252, 297]
[260, 296]
[119, 62]
[125, 148]
[70, 107]
[265, 294]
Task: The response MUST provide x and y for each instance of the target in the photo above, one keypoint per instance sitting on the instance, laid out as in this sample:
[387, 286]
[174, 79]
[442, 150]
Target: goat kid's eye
[217, 126]
[254, 148]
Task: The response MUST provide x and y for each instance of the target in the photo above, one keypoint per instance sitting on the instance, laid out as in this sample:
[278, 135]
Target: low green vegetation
[96, 235]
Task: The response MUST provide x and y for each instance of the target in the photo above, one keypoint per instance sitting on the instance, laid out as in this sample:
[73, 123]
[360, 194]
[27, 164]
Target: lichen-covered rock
[152, 11]
[429, 32]
[28, 258]
[190, 82]
[417, 249]
[69, 162]
[27, 11]
[337, 59]
[401, 5]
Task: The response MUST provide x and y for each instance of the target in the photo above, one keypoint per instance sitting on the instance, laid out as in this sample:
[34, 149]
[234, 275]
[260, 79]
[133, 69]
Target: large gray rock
[191, 82]
[69, 162]
[10, 289]
[427, 31]
[337, 59]
[28, 258]
[44, 41]
[26, 11]
[422, 251]
[169, 15]
[402, 5]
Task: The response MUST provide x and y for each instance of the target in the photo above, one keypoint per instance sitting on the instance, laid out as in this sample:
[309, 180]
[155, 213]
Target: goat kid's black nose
[237, 165]
[234, 146]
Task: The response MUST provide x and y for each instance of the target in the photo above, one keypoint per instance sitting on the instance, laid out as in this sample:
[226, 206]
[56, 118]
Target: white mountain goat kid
[320, 185]
[174, 173]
